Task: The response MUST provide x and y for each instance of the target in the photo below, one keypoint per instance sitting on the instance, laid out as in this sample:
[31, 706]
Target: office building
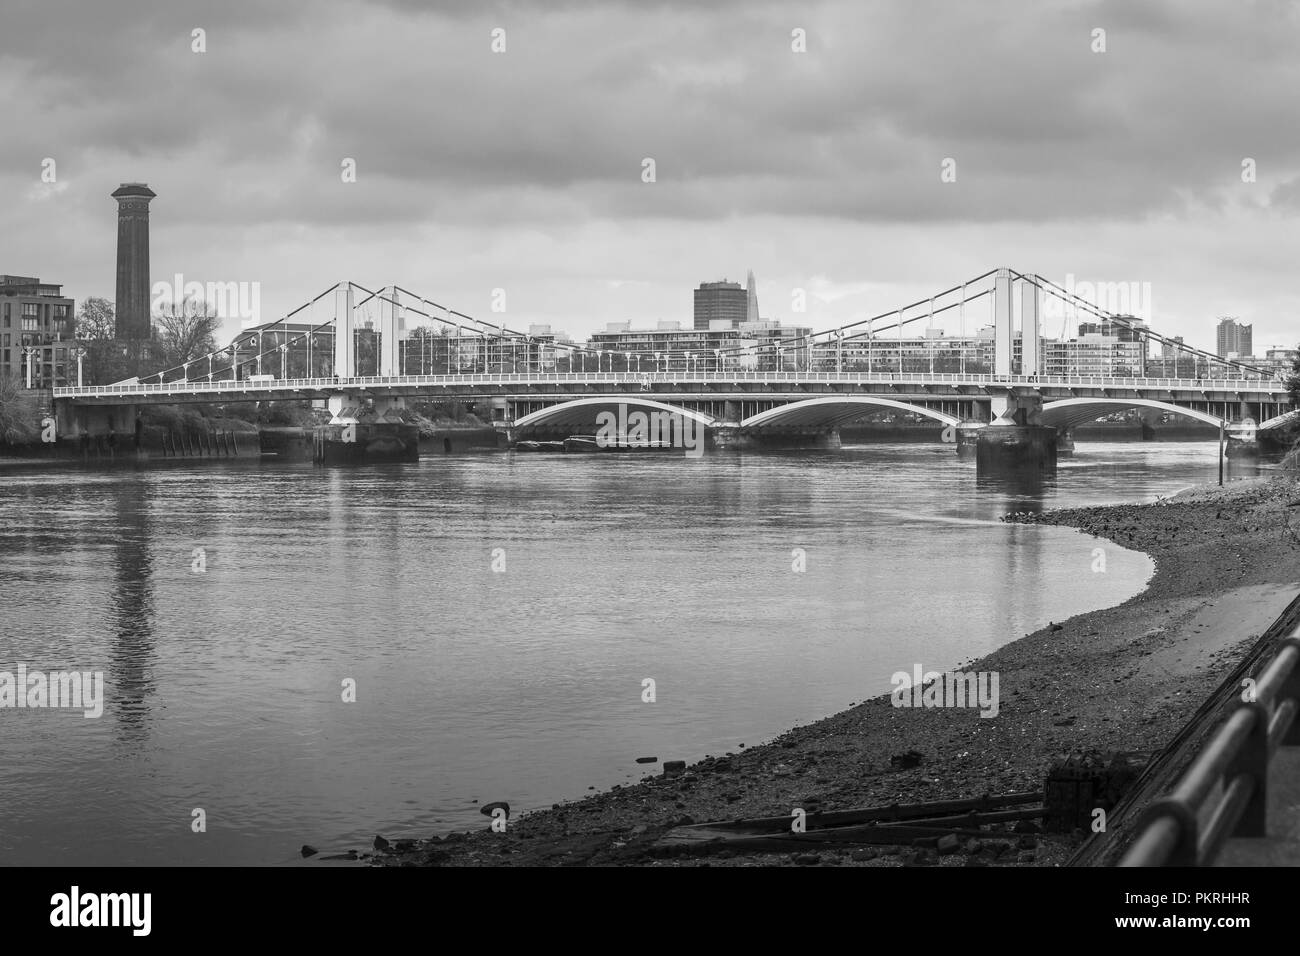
[721, 302]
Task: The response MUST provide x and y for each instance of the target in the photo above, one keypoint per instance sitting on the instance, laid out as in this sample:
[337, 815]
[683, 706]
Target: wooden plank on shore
[702, 839]
[880, 814]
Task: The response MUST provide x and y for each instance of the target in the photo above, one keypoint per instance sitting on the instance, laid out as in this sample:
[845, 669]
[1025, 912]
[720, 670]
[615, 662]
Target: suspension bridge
[366, 354]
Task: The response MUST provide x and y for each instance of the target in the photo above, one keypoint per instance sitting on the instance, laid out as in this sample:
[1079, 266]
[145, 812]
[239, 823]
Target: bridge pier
[967, 437]
[1002, 448]
[1243, 439]
[95, 431]
[1015, 440]
[1148, 417]
[358, 435]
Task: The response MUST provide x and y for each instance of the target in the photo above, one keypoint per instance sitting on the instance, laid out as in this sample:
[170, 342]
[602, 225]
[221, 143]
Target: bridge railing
[1224, 791]
[330, 383]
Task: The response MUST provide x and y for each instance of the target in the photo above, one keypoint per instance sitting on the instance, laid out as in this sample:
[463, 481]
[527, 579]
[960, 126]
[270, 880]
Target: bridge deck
[523, 382]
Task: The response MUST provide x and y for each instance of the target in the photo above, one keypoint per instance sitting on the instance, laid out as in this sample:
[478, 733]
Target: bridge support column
[1014, 440]
[1016, 448]
[1148, 417]
[1243, 439]
[95, 431]
[363, 434]
[338, 403]
[967, 437]
[827, 439]
[1013, 408]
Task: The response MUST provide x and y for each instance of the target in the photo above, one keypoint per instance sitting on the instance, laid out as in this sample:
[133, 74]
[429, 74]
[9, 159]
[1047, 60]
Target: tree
[106, 360]
[185, 333]
[96, 320]
[1292, 381]
[18, 413]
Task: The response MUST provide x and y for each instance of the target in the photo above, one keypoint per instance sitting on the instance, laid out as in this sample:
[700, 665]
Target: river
[498, 616]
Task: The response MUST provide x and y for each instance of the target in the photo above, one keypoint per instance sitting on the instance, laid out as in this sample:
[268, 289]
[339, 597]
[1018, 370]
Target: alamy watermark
[76, 909]
[227, 300]
[950, 689]
[72, 690]
[1118, 298]
[658, 428]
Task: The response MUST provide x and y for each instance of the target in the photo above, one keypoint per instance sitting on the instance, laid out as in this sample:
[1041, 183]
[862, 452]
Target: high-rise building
[751, 306]
[1233, 337]
[132, 306]
[720, 301]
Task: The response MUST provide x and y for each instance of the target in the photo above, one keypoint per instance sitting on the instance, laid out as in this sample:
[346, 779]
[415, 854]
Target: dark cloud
[1040, 125]
[551, 135]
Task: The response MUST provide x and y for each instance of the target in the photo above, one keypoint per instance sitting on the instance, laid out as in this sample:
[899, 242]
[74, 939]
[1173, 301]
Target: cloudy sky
[523, 169]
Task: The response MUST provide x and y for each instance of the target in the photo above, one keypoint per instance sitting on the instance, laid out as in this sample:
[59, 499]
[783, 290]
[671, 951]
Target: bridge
[373, 352]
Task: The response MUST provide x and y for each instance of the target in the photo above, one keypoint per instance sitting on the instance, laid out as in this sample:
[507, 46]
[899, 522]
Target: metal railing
[1224, 791]
[331, 383]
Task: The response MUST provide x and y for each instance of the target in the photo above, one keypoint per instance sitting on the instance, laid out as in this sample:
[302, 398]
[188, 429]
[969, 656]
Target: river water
[498, 616]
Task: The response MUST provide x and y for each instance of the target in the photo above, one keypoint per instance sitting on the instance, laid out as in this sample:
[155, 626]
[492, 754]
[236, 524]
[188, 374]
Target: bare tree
[107, 360]
[96, 320]
[187, 331]
[18, 413]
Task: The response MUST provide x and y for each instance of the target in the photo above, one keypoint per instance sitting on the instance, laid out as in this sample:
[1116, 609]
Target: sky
[862, 155]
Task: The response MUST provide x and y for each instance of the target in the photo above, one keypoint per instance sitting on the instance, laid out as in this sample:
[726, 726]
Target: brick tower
[132, 306]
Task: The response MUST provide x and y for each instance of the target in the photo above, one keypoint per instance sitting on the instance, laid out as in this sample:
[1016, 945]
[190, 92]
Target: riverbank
[1123, 678]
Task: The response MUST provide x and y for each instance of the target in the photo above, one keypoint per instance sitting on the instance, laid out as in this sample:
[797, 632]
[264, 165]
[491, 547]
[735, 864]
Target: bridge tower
[1002, 323]
[389, 318]
[355, 433]
[1030, 296]
[344, 338]
[1015, 438]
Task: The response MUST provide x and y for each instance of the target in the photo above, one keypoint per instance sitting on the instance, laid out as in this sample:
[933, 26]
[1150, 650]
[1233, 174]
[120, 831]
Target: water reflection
[1019, 490]
[130, 612]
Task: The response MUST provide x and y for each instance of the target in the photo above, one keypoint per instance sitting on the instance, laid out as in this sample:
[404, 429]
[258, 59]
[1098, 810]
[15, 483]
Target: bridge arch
[1276, 420]
[580, 412]
[835, 410]
[1069, 412]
